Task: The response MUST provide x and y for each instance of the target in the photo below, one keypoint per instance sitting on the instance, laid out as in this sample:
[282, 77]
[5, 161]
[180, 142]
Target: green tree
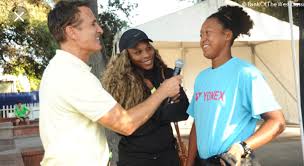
[111, 22]
[25, 46]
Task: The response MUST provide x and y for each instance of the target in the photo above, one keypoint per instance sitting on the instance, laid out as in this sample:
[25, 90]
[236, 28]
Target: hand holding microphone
[170, 87]
[177, 69]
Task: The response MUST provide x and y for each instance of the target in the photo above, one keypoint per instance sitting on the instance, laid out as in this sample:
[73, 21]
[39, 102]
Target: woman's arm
[192, 149]
[274, 124]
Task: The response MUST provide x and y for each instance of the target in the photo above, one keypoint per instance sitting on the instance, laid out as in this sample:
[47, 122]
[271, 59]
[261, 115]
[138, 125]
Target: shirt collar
[72, 59]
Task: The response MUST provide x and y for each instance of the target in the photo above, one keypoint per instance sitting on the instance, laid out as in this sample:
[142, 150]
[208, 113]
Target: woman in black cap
[131, 77]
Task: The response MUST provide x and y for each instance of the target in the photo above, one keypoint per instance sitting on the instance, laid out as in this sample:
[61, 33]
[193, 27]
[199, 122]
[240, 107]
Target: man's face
[87, 33]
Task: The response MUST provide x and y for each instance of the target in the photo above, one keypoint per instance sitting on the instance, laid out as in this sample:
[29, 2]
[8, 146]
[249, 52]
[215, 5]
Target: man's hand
[233, 156]
[170, 87]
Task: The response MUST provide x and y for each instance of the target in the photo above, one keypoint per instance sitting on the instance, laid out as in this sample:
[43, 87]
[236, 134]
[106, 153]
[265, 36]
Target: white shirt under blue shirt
[226, 104]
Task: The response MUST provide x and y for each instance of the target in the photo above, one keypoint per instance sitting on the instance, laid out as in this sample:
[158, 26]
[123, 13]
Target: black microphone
[177, 69]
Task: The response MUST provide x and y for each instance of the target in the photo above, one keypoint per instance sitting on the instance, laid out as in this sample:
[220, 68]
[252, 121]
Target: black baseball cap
[131, 37]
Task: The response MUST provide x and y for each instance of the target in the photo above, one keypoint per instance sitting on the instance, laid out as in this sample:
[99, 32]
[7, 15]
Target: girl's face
[214, 38]
[142, 55]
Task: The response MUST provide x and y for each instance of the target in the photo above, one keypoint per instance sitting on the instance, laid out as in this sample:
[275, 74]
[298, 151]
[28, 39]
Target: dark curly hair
[235, 19]
[125, 82]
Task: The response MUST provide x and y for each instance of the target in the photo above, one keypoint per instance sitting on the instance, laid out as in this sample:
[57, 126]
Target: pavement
[285, 150]
[281, 152]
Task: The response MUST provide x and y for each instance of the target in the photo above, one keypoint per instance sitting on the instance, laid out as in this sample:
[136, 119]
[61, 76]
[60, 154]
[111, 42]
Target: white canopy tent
[177, 36]
[184, 25]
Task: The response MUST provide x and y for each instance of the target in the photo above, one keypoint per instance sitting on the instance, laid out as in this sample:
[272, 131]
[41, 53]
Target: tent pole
[296, 73]
[301, 58]
[253, 53]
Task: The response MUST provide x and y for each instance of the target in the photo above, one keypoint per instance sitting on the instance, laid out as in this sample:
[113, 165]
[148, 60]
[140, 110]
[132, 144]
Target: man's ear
[70, 32]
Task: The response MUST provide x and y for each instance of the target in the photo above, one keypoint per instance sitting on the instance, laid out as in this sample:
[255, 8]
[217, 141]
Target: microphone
[177, 69]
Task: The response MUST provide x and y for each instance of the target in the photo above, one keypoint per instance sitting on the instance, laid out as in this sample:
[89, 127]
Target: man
[22, 113]
[74, 107]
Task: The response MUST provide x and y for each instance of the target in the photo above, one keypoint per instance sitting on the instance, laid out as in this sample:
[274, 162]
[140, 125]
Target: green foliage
[25, 47]
[111, 22]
